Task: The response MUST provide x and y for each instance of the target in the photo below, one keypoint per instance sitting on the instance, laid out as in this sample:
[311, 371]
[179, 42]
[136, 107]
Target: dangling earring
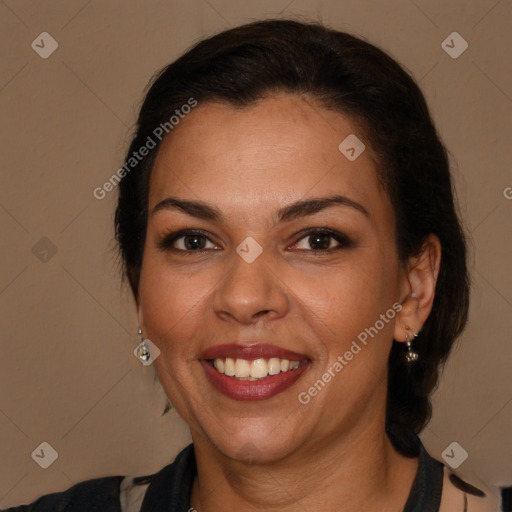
[411, 355]
[142, 352]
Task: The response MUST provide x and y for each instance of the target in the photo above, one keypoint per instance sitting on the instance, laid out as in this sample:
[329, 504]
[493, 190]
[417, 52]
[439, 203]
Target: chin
[256, 443]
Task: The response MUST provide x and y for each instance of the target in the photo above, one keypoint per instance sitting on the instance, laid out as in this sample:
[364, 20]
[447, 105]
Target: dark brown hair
[348, 75]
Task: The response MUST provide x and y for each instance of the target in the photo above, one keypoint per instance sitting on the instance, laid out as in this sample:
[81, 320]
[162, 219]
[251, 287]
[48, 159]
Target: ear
[417, 289]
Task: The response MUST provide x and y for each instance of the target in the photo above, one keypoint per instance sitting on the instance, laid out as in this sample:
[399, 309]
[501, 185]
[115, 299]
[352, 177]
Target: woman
[288, 229]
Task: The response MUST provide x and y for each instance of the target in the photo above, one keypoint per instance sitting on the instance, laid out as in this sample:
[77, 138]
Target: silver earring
[142, 352]
[411, 355]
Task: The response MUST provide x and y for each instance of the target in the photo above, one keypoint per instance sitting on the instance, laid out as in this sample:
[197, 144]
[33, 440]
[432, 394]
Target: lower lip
[253, 389]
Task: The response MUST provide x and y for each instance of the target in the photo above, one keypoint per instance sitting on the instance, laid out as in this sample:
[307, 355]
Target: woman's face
[268, 277]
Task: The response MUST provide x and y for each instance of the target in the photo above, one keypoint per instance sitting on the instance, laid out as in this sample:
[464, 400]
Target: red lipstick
[260, 389]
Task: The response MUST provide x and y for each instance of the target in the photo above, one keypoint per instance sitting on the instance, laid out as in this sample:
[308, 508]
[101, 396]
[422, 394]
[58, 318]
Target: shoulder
[98, 495]
[460, 495]
[122, 493]
[171, 485]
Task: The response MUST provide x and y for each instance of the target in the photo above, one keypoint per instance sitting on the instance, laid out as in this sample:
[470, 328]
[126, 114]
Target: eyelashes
[167, 242]
[195, 241]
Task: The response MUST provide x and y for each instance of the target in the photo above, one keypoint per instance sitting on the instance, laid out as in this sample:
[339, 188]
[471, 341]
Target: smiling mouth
[256, 369]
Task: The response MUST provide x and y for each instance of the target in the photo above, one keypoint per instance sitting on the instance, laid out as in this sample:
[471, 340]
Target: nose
[250, 292]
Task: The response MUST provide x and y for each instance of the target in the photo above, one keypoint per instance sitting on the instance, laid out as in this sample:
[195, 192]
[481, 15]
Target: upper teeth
[256, 369]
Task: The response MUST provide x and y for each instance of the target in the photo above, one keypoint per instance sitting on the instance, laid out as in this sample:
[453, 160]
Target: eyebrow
[293, 211]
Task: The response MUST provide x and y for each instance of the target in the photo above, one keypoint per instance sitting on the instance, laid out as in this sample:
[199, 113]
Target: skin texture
[248, 163]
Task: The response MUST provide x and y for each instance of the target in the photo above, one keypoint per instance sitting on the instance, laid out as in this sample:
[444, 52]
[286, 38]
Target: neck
[360, 471]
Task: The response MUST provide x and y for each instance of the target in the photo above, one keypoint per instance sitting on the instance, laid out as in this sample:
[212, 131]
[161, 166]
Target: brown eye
[186, 241]
[193, 242]
[323, 241]
[320, 241]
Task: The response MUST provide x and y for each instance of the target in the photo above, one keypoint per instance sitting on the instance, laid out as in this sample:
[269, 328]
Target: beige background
[68, 374]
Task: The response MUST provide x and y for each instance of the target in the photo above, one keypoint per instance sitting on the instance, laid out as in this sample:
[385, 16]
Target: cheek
[347, 304]
[172, 302]
[351, 294]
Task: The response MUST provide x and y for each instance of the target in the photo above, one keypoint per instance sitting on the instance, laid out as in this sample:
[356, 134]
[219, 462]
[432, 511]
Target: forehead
[260, 157]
